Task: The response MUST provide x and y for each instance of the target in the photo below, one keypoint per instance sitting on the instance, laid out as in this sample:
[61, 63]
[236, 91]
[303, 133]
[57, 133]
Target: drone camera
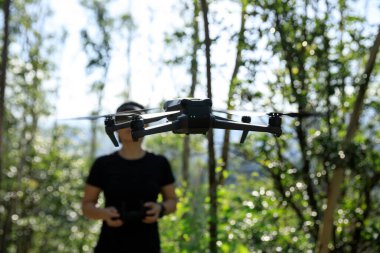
[198, 116]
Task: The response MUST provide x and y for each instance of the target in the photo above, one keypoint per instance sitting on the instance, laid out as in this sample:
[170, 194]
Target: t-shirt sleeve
[95, 177]
[167, 176]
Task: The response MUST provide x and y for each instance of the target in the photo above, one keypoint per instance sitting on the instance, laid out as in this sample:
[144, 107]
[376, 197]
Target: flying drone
[187, 116]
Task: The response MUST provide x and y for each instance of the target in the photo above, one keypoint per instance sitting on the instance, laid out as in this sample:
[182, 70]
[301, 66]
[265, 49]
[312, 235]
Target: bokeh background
[314, 189]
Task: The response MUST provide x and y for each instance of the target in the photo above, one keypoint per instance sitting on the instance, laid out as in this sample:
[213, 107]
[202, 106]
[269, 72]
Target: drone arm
[245, 119]
[166, 127]
[227, 124]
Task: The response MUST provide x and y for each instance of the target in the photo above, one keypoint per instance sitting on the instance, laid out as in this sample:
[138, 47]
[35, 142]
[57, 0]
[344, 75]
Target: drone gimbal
[187, 116]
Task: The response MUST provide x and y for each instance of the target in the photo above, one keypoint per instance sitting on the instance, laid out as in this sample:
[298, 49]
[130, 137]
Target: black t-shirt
[126, 185]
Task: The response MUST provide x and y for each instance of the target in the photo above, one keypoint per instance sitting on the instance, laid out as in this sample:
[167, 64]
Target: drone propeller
[241, 113]
[258, 114]
[124, 114]
[134, 112]
[95, 117]
[156, 116]
[296, 114]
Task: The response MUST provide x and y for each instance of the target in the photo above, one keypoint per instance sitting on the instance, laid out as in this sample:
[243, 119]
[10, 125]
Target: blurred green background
[63, 59]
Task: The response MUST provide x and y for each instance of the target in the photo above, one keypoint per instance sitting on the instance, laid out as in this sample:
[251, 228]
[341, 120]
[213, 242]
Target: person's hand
[152, 213]
[111, 217]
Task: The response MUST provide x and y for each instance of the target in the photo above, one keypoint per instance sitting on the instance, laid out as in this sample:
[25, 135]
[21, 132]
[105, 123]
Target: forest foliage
[271, 193]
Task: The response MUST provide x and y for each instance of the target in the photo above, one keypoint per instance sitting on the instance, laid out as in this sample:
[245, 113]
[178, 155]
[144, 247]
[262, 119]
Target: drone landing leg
[245, 119]
[110, 128]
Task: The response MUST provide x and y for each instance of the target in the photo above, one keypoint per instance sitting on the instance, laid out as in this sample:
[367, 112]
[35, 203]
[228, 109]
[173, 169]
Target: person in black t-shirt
[131, 180]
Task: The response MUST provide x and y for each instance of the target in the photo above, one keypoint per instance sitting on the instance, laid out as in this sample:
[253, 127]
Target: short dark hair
[130, 106]
[125, 107]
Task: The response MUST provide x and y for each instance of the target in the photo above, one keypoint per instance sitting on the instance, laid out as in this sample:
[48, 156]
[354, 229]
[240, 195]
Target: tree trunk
[129, 47]
[14, 202]
[3, 71]
[101, 61]
[300, 99]
[7, 225]
[213, 221]
[233, 83]
[3, 79]
[194, 81]
[325, 230]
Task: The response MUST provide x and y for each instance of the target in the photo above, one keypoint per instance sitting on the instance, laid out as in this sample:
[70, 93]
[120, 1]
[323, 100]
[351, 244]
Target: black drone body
[186, 116]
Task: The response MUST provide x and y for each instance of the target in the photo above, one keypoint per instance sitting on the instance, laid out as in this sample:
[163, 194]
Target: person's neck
[132, 152]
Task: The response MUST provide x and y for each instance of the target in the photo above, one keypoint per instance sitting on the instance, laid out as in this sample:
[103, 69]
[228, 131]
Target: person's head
[125, 133]
[129, 106]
